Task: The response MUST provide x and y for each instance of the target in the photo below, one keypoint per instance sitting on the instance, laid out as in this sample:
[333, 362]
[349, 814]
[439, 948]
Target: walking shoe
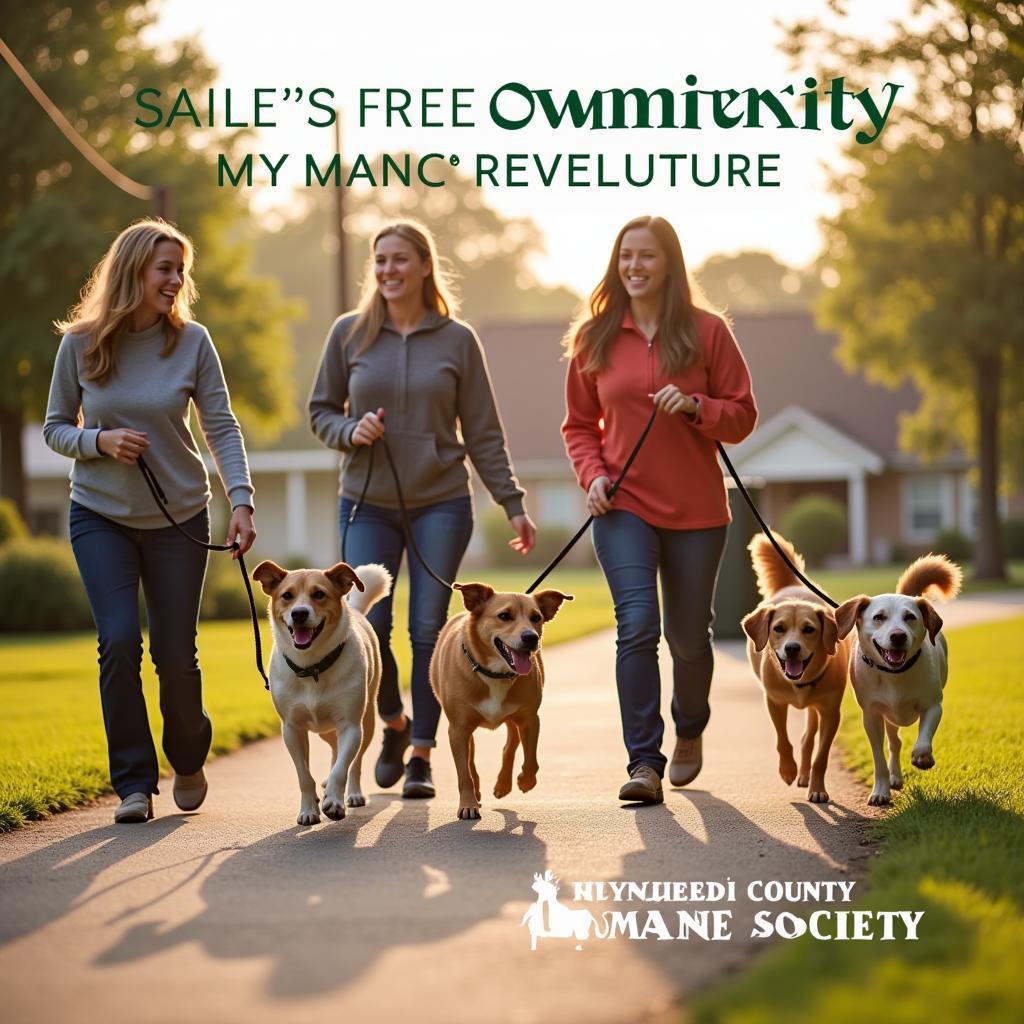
[135, 807]
[389, 767]
[686, 761]
[644, 786]
[190, 790]
[418, 780]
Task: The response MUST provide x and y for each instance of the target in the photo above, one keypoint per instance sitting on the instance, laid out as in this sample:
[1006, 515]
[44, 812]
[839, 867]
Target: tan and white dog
[899, 664]
[324, 672]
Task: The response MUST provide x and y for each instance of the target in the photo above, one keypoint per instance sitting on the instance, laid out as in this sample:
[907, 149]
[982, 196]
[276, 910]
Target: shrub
[224, 592]
[1013, 538]
[816, 524]
[12, 526]
[42, 591]
[953, 544]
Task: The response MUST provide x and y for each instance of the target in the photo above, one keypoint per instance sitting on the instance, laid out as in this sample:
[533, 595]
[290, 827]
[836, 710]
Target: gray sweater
[153, 394]
[429, 383]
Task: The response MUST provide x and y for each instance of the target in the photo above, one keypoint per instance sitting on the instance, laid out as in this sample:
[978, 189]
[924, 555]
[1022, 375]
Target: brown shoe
[644, 786]
[135, 808]
[686, 761]
[190, 790]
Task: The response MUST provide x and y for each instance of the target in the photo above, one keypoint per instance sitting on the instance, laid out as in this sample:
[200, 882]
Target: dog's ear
[549, 601]
[757, 623]
[849, 612]
[474, 595]
[829, 630]
[269, 575]
[932, 619]
[343, 576]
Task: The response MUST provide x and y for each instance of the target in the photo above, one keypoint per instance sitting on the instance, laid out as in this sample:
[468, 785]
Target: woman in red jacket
[647, 340]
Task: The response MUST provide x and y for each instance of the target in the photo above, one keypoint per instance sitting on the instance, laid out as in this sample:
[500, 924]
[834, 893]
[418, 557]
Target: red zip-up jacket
[675, 482]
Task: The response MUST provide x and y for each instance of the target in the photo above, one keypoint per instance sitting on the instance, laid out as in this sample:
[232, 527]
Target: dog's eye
[909, 617]
[318, 595]
[779, 628]
[536, 617]
[807, 629]
[878, 617]
[505, 616]
[287, 595]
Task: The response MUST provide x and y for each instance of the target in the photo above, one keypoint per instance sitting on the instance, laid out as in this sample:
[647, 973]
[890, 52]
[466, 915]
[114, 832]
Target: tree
[927, 254]
[59, 213]
[755, 282]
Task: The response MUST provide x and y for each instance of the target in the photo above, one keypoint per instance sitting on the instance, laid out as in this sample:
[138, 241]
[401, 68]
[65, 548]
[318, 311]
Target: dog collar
[477, 667]
[811, 682]
[314, 670]
[871, 663]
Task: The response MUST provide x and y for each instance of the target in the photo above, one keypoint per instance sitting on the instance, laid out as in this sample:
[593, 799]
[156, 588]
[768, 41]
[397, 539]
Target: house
[820, 429]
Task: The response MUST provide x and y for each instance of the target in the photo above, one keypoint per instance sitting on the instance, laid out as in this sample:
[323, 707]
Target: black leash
[161, 499]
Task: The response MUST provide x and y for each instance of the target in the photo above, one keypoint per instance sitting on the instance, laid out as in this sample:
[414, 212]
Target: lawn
[52, 747]
[845, 583]
[953, 846]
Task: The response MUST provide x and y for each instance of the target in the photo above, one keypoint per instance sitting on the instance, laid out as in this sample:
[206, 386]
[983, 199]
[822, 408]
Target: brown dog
[487, 670]
[796, 654]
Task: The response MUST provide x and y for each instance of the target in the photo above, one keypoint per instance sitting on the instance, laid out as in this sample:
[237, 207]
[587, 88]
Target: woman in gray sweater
[129, 367]
[402, 360]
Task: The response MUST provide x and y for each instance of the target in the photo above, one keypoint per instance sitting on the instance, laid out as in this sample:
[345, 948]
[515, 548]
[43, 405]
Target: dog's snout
[792, 649]
[897, 638]
[529, 639]
[299, 615]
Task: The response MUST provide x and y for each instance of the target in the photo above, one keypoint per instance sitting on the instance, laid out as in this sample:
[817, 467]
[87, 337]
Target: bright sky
[556, 44]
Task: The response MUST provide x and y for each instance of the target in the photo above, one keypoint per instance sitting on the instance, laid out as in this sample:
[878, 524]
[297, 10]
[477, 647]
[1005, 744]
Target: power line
[111, 173]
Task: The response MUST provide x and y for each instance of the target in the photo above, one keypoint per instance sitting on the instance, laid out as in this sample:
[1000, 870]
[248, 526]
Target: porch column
[295, 513]
[857, 517]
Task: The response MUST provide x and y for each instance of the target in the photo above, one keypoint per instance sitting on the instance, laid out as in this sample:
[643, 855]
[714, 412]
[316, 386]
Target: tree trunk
[988, 551]
[12, 466]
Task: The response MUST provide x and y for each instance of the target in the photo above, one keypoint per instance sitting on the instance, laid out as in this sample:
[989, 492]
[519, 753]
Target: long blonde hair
[115, 290]
[438, 295]
[591, 334]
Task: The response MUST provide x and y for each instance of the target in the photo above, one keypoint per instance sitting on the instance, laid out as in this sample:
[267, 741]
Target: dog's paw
[333, 808]
[895, 781]
[355, 800]
[818, 796]
[787, 770]
[469, 813]
[803, 779]
[526, 781]
[879, 797]
[922, 759]
[503, 786]
[308, 816]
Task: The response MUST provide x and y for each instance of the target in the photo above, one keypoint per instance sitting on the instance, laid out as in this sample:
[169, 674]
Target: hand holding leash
[123, 444]
[241, 530]
[369, 428]
[671, 400]
[598, 501]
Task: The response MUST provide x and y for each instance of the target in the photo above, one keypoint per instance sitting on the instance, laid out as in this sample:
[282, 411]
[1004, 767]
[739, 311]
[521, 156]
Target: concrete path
[401, 912]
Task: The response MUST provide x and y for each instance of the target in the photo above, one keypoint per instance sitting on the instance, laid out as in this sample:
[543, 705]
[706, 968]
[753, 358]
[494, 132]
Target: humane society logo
[549, 918]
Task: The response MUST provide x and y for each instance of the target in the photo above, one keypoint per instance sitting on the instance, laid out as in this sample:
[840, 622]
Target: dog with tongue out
[487, 671]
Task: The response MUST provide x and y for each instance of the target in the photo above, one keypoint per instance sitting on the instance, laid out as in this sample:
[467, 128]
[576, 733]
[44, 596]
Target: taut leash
[161, 499]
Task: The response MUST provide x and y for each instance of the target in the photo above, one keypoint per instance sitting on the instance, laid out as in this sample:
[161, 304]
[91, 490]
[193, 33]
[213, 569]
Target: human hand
[369, 428]
[598, 501]
[123, 444]
[526, 534]
[240, 528]
[671, 400]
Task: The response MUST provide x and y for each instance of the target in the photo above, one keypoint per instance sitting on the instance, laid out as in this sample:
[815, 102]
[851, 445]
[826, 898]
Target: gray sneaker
[135, 808]
[190, 790]
[644, 786]
[687, 760]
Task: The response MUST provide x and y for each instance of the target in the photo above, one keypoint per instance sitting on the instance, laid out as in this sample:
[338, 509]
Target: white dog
[899, 665]
[324, 672]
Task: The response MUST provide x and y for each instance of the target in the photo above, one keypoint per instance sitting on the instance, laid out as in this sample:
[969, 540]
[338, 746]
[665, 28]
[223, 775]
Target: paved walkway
[402, 912]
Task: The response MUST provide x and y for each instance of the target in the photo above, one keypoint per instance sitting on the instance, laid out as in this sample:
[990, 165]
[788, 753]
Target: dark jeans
[113, 559]
[632, 554]
[442, 533]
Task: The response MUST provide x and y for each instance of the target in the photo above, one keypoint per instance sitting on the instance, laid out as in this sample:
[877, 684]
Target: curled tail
[376, 584]
[772, 572]
[931, 576]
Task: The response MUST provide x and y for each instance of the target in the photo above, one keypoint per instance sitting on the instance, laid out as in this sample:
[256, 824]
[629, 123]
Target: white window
[969, 507]
[561, 504]
[927, 505]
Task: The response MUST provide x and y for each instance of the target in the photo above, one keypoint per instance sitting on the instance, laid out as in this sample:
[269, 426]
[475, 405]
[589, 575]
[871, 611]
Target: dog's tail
[376, 584]
[772, 572]
[932, 576]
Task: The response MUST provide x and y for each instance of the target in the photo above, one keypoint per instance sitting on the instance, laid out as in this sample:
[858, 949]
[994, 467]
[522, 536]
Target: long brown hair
[592, 333]
[437, 285]
[115, 290]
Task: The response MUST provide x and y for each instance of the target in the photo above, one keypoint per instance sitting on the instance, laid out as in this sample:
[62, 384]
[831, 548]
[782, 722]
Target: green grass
[52, 747]
[953, 847]
[846, 583]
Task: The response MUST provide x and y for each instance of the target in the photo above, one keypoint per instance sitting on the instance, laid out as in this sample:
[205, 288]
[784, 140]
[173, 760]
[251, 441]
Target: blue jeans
[113, 560]
[442, 533]
[632, 554]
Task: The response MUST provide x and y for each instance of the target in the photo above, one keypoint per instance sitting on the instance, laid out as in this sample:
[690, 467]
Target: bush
[224, 592]
[816, 524]
[550, 540]
[953, 544]
[1013, 538]
[12, 526]
[42, 591]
